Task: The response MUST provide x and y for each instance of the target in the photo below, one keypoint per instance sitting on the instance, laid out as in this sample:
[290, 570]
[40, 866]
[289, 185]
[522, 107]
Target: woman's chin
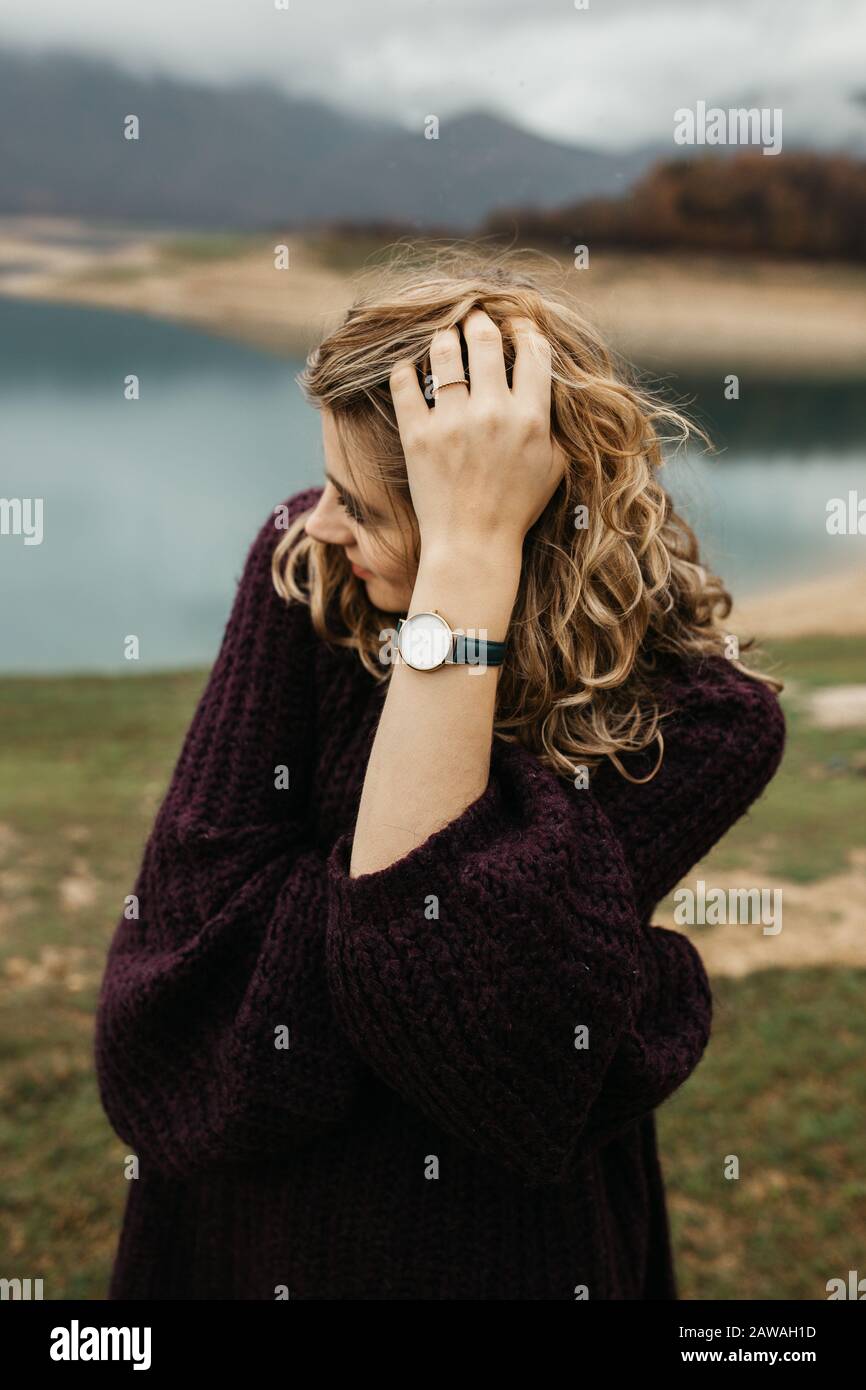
[384, 596]
[374, 587]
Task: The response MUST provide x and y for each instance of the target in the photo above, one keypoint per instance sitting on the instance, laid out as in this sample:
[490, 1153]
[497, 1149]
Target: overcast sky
[608, 76]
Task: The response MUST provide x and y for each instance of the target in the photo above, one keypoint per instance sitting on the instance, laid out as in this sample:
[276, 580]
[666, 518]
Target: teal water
[150, 506]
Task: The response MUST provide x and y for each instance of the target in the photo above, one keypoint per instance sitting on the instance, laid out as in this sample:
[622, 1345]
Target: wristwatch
[425, 641]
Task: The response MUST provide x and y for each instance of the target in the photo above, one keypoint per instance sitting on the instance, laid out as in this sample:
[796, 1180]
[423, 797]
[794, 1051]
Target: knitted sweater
[433, 1081]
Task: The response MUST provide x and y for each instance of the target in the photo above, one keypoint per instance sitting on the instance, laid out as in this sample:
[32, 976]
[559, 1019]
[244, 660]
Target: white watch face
[424, 641]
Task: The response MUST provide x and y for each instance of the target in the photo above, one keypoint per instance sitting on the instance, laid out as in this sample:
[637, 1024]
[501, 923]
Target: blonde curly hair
[611, 576]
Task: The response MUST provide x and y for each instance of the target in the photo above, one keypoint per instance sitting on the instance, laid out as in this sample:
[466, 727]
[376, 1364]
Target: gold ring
[462, 381]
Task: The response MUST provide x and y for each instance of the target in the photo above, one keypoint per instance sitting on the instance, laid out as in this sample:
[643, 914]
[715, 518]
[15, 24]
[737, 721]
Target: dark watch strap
[475, 651]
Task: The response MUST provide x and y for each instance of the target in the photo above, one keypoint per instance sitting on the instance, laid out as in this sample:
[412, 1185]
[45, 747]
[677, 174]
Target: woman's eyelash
[348, 507]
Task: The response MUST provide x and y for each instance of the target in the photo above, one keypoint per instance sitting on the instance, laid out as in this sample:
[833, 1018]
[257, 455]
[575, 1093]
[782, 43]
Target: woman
[388, 1018]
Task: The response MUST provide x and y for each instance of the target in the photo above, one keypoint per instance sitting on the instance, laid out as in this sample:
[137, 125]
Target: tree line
[798, 204]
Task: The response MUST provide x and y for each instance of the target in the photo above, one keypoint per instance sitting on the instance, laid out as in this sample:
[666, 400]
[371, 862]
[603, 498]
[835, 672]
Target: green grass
[176, 254]
[350, 253]
[814, 810]
[109, 275]
[85, 761]
[818, 661]
[217, 246]
[782, 1087]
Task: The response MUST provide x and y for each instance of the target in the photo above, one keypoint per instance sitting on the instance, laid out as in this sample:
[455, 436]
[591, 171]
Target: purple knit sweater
[337, 1091]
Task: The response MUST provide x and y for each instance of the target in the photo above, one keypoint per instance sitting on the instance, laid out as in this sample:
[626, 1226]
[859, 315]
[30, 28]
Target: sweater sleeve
[724, 738]
[214, 1033]
[498, 978]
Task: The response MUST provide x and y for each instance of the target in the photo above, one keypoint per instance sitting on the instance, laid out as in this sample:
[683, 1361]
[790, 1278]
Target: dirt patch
[243, 297]
[839, 707]
[78, 834]
[55, 965]
[78, 888]
[9, 840]
[770, 1183]
[823, 923]
[834, 606]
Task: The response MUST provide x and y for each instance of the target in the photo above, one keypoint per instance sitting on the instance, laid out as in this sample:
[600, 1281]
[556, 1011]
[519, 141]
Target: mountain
[251, 155]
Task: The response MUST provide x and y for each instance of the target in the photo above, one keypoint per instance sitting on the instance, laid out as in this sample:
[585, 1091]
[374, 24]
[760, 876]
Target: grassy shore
[85, 762]
[698, 314]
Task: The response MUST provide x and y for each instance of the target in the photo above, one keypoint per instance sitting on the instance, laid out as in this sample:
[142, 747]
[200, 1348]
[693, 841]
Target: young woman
[388, 1017]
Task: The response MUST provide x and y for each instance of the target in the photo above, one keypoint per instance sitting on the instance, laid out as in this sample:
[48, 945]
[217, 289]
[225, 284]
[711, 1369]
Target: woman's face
[342, 516]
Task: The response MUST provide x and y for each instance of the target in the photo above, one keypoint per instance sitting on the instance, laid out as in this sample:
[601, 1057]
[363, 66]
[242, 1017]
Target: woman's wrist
[473, 588]
[471, 553]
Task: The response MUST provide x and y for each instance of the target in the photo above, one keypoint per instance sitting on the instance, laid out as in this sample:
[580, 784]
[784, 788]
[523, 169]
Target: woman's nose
[327, 522]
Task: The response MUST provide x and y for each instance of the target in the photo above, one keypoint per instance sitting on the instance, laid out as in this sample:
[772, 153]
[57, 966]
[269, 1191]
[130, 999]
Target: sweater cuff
[372, 896]
[673, 972]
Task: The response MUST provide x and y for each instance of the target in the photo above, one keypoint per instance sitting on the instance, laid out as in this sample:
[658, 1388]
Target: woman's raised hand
[482, 464]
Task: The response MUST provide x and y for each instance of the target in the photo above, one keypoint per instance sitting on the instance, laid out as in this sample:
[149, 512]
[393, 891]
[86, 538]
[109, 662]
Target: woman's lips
[361, 573]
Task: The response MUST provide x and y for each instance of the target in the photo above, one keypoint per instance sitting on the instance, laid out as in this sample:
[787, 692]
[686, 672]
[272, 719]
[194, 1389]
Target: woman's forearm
[431, 755]
[482, 465]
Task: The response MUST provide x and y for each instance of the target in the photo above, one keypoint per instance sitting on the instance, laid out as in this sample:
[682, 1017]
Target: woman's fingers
[483, 456]
[446, 364]
[486, 358]
[410, 406]
[488, 382]
[530, 379]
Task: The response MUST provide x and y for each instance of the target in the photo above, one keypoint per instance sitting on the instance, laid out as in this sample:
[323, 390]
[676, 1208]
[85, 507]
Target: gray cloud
[610, 76]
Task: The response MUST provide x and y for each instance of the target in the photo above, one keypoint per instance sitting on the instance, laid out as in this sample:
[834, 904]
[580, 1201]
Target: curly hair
[611, 578]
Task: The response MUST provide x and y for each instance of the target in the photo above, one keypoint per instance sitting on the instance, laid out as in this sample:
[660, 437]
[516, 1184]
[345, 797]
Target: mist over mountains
[251, 155]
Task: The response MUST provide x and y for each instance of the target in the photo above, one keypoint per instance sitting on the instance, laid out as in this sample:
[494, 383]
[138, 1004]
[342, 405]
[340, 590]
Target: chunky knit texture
[434, 1128]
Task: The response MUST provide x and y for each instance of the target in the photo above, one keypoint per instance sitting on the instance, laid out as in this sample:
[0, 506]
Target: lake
[151, 505]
